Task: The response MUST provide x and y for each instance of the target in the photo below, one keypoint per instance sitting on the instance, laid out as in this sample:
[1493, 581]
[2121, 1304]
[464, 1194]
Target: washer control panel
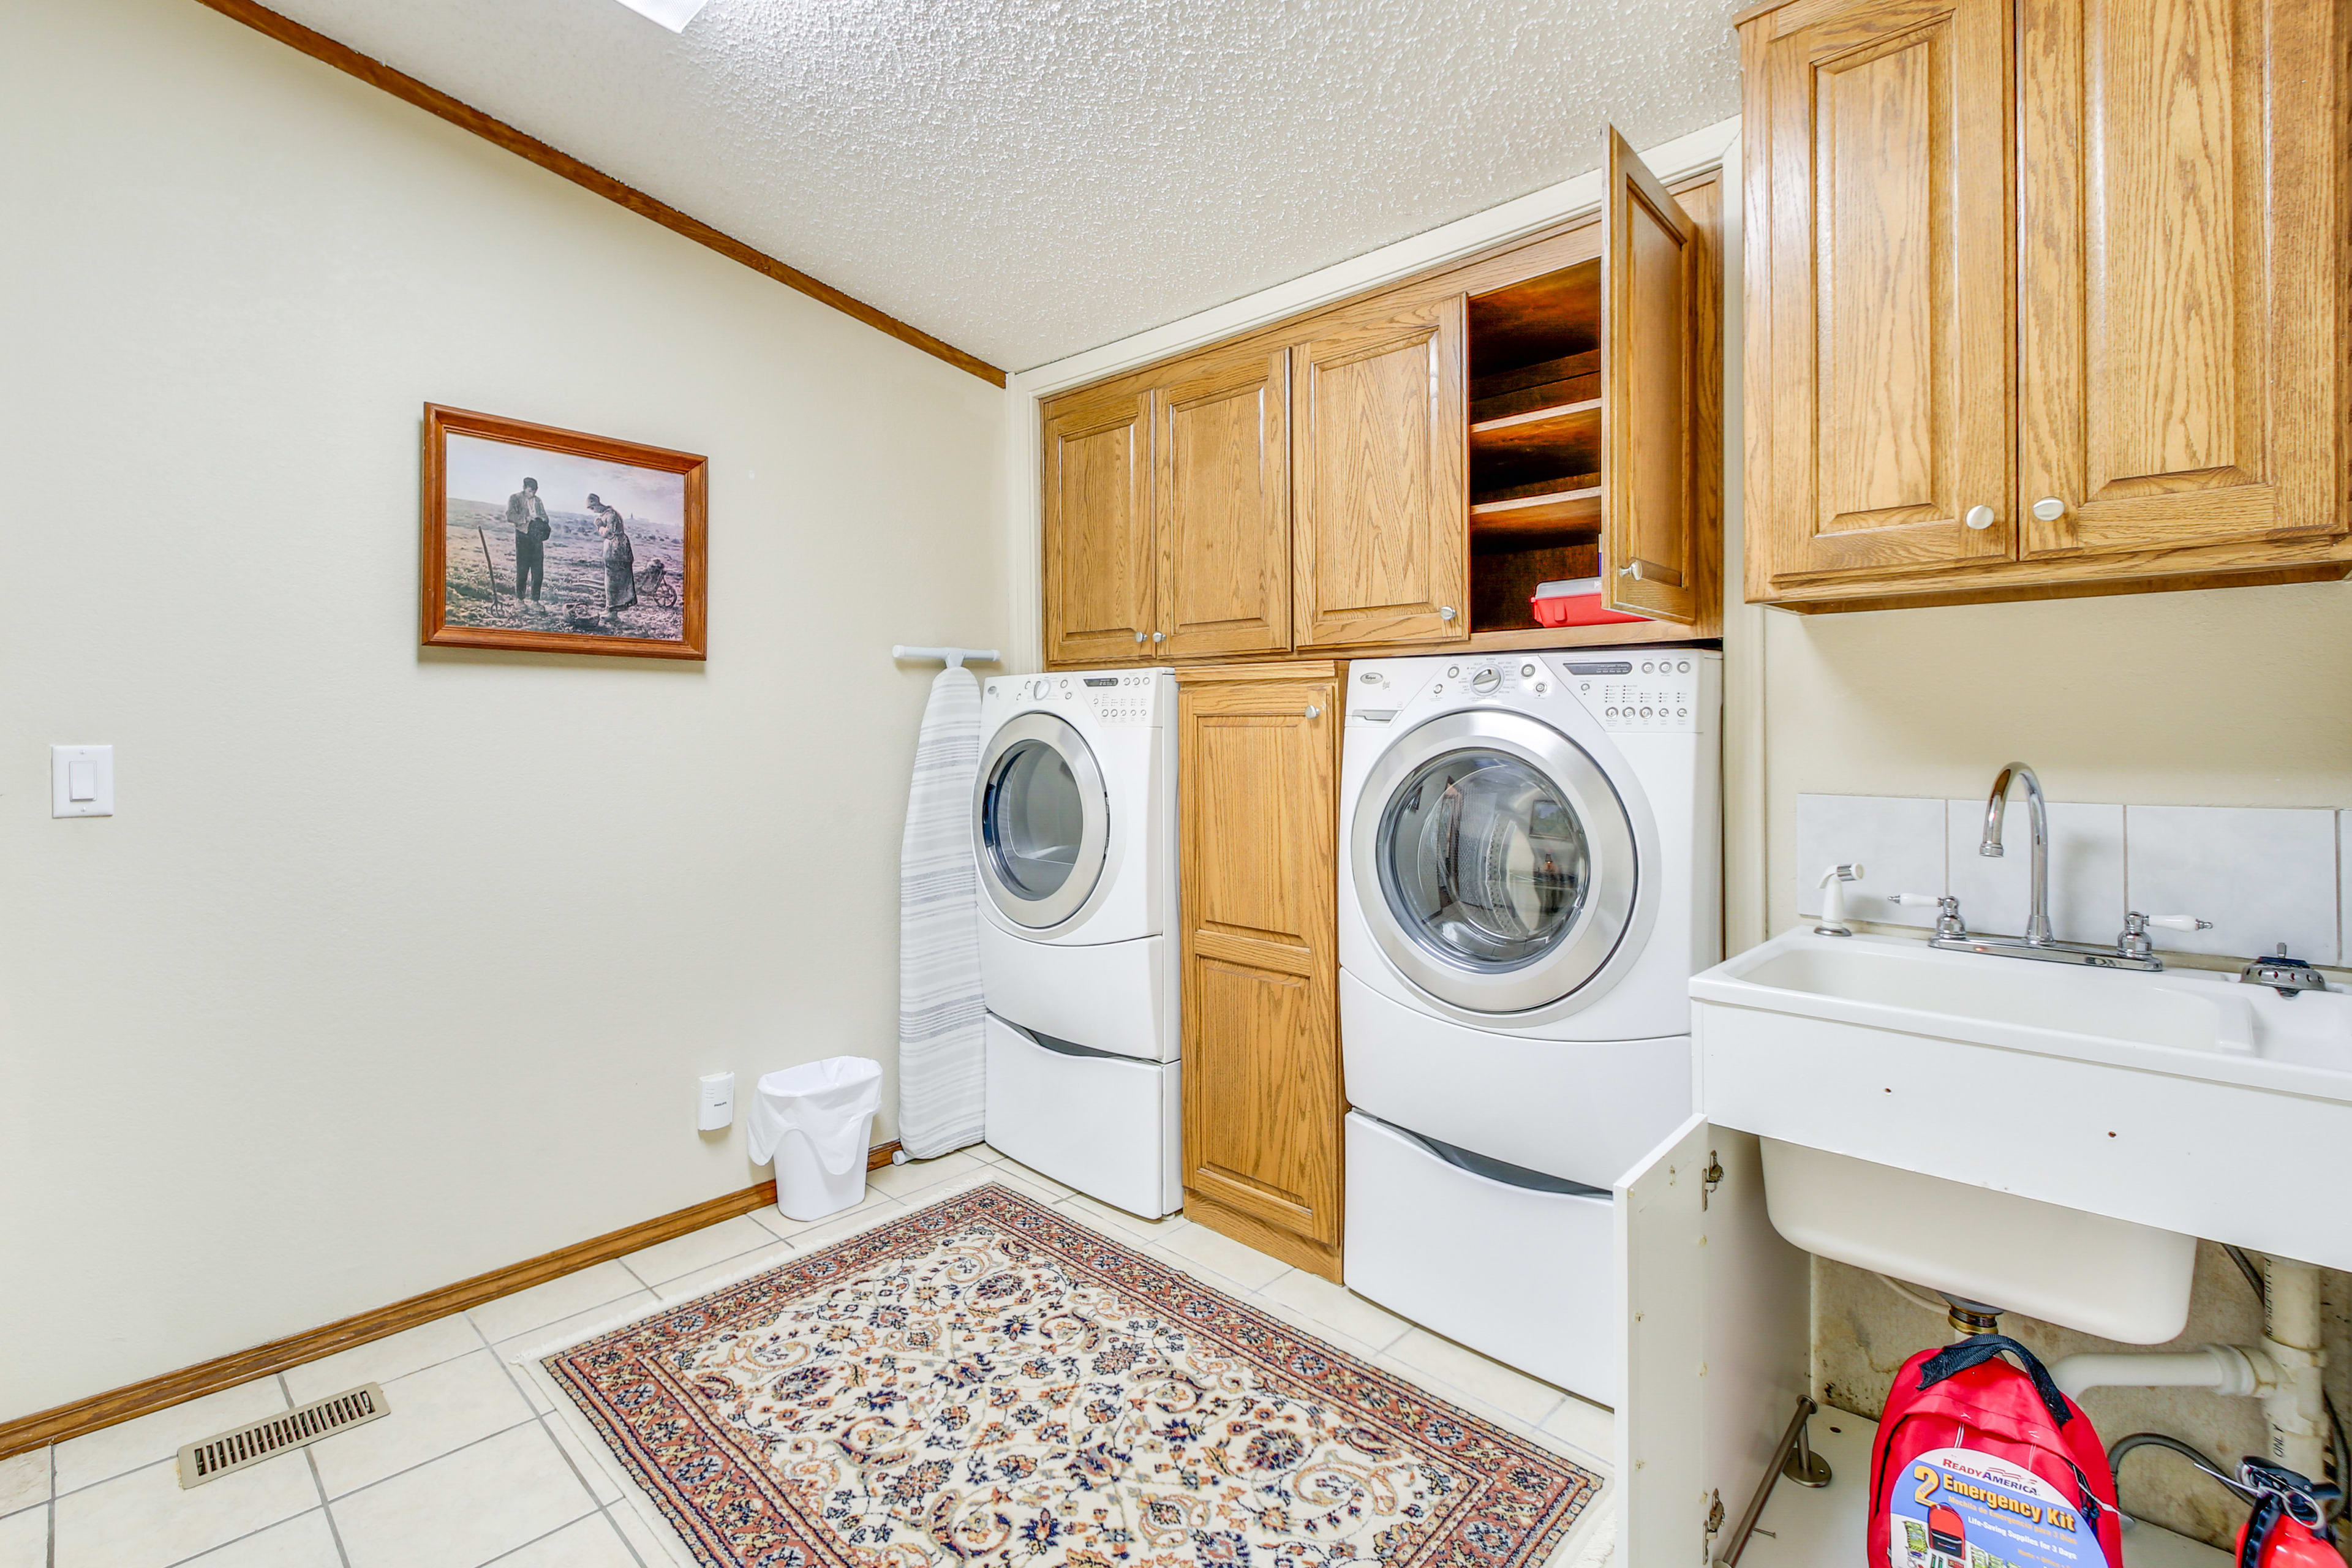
[1492, 678]
[1649, 691]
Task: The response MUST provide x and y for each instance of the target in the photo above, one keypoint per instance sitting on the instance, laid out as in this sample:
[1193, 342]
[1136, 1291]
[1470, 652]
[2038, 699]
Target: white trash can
[816, 1124]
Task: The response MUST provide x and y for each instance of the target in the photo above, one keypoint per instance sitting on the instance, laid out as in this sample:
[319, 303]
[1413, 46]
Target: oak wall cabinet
[2045, 298]
[1259, 828]
[1399, 471]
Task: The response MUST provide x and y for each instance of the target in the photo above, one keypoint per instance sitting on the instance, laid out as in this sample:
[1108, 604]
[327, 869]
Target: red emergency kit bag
[2289, 1528]
[1974, 1452]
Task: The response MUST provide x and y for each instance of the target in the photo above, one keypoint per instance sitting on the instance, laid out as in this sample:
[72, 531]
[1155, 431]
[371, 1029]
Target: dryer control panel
[1119, 699]
[1651, 692]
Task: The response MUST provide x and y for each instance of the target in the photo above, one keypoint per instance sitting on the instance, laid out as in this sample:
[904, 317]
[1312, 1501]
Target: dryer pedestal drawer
[1116, 996]
[1586, 1110]
[1527, 1276]
[1108, 1126]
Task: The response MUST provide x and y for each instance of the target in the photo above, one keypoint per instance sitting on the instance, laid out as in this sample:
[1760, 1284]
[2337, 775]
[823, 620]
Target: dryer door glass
[1042, 825]
[1034, 820]
[1486, 862]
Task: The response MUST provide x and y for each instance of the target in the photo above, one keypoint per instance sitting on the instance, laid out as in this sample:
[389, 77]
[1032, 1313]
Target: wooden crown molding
[555, 161]
[99, 1410]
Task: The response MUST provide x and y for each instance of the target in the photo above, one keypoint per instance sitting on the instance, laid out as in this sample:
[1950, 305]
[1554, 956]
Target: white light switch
[81, 781]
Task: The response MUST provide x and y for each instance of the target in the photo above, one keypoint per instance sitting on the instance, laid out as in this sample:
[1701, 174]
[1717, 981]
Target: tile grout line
[318, 1482]
[605, 1512]
[239, 1539]
[537, 1539]
[516, 1382]
[412, 1470]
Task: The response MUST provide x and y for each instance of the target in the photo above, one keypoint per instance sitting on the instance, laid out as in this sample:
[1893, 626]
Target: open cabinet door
[1663, 1502]
[1717, 1321]
[1650, 457]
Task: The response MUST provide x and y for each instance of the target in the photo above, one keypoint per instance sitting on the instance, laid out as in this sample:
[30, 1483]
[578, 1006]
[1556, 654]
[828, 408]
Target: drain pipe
[2284, 1371]
[2224, 1369]
[2297, 1408]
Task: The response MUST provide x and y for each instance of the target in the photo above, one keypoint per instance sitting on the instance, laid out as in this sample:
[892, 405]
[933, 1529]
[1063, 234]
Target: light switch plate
[97, 783]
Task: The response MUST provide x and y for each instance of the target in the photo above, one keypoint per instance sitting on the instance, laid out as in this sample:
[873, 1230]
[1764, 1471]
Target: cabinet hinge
[1709, 1179]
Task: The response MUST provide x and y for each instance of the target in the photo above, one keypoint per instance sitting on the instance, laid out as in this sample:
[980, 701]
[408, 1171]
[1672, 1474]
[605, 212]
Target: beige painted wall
[2226, 697]
[398, 966]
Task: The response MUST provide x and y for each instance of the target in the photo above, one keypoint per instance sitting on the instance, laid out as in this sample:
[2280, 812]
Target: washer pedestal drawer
[1526, 1277]
[1110, 1126]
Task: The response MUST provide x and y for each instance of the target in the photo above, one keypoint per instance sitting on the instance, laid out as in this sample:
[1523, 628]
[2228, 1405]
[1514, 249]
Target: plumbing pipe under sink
[2284, 1371]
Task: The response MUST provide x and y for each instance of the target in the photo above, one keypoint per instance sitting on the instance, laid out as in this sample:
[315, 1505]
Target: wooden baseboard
[1315, 1257]
[99, 1410]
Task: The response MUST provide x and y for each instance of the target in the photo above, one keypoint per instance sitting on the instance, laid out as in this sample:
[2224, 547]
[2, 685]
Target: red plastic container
[1576, 610]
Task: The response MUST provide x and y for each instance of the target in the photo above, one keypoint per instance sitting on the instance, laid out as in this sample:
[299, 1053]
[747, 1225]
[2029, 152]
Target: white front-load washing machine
[1531, 869]
[1074, 826]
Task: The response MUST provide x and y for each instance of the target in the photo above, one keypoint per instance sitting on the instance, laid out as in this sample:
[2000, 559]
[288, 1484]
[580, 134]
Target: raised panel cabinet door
[1100, 606]
[1889, 314]
[1221, 499]
[1262, 1102]
[2182, 329]
[1650, 473]
[1379, 457]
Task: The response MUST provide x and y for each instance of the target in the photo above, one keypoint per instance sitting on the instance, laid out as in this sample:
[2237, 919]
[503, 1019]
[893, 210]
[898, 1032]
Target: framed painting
[550, 540]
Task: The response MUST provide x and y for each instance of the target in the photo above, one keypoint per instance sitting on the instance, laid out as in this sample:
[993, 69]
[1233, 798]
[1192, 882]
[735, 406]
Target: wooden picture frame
[644, 600]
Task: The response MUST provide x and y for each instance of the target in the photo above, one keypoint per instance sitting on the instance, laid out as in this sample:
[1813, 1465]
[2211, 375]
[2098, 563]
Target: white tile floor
[468, 1469]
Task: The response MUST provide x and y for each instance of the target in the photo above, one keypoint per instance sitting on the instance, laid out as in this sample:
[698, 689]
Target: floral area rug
[985, 1382]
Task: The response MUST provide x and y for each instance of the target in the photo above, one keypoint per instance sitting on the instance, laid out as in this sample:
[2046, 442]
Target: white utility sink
[2182, 1101]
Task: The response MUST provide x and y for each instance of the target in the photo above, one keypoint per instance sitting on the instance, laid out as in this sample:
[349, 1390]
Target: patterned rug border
[1149, 1281]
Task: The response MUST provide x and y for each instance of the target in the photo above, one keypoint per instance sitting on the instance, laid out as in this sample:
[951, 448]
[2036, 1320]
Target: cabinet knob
[1631, 569]
[1313, 712]
[1139, 636]
[1979, 517]
[2049, 509]
[1444, 612]
[1159, 637]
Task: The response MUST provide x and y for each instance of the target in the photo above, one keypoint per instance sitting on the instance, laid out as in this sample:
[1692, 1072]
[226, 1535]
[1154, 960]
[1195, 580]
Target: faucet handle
[1948, 906]
[2134, 943]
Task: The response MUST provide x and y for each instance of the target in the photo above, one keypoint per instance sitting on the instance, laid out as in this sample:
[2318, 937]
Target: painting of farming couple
[527, 515]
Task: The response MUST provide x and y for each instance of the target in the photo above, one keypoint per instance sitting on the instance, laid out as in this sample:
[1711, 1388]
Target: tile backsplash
[2262, 876]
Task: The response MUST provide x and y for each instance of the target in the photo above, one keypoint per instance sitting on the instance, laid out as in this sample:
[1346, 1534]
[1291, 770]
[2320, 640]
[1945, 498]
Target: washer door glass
[1034, 820]
[1494, 861]
[1484, 862]
[1042, 824]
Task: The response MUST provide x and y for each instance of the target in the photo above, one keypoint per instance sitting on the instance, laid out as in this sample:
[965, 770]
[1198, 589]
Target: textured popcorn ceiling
[1026, 180]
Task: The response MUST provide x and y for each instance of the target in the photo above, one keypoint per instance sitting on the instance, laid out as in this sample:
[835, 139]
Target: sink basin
[2181, 1100]
[2100, 1004]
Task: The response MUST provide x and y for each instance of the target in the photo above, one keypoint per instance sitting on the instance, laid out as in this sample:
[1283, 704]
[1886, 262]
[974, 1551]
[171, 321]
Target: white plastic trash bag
[816, 1123]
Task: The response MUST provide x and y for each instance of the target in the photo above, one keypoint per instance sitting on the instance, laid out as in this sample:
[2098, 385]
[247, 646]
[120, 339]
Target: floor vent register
[214, 1458]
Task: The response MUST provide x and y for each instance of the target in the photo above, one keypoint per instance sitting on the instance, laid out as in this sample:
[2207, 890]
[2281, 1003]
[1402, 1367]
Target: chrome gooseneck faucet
[2133, 950]
[2037, 920]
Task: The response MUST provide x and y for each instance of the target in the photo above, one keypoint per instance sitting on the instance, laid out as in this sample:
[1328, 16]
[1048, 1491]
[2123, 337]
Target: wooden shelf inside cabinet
[1573, 378]
[1564, 439]
[1538, 321]
[1551, 514]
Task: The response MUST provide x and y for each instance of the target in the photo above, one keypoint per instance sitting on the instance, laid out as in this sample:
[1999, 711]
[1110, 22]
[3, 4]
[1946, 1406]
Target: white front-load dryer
[1529, 874]
[1074, 830]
